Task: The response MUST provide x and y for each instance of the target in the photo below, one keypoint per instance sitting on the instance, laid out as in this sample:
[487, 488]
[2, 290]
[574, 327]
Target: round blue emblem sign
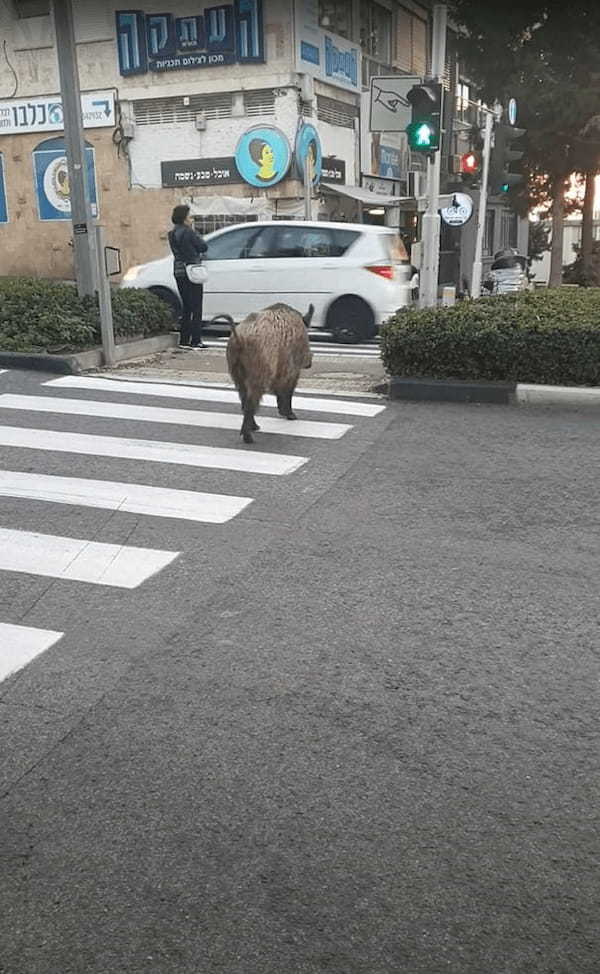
[308, 146]
[263, 156]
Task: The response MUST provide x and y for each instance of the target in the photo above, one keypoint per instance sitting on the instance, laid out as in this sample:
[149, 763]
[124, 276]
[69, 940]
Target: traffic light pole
[430, 234]
[84, 244]
[483, 194]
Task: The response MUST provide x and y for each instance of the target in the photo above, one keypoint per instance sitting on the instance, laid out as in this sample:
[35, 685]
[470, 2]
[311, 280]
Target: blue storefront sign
[389, 162]
[52, 180]
[263, 156]
[308, 146]
[222, 34]
[3, 206]
[322, 55]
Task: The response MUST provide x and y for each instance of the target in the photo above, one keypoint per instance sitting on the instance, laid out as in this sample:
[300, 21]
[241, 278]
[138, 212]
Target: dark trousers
[191, 318]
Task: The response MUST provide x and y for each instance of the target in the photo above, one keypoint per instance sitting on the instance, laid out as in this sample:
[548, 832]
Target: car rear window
[396, 248]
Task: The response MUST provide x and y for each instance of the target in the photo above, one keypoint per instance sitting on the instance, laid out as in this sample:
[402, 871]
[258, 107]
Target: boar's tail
[227, 318]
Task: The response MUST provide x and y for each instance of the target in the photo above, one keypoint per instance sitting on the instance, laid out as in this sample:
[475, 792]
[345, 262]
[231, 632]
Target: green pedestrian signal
[424, 129]
[423, 136]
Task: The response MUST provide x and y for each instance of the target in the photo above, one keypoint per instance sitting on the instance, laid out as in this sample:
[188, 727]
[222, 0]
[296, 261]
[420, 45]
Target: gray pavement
[352, 730]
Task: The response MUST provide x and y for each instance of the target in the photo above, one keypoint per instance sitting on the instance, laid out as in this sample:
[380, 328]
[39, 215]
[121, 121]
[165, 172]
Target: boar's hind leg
[284, 404]
[253, 424]
[249, 423]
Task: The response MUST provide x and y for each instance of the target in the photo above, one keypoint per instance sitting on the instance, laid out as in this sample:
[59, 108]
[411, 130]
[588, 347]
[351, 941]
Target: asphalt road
[352, 729]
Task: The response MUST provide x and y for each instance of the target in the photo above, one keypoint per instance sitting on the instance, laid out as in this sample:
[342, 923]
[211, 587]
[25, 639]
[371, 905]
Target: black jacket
[186, 244]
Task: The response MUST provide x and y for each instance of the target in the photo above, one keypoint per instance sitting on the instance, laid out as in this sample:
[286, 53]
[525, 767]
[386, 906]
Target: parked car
[355, 275]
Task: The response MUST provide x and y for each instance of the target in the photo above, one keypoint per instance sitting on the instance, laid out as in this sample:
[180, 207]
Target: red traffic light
[469, 163]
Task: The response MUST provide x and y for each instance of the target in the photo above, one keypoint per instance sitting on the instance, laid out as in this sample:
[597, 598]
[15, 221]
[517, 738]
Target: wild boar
[266, 353]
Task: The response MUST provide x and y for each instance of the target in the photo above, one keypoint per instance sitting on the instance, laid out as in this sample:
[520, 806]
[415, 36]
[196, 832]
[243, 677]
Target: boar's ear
[307, 318]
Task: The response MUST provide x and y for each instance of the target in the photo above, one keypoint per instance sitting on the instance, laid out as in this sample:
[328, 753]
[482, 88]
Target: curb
[447, 390]
[505, 393]
[91, 359]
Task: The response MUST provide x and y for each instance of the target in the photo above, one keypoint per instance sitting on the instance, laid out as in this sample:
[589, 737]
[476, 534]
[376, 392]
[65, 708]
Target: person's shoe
[199, 344]
[184, 347]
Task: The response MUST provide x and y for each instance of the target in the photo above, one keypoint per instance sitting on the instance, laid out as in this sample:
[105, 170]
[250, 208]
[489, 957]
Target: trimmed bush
[39, 315]
[550, 337]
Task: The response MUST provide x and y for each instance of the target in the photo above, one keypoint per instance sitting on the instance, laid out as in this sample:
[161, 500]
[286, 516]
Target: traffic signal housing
[425, 128]
[501, 179]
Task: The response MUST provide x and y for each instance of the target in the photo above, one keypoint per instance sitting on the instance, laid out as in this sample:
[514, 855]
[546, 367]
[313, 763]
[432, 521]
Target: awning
[364, 196]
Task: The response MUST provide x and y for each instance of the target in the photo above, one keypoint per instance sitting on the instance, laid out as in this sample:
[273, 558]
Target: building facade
[219, 106]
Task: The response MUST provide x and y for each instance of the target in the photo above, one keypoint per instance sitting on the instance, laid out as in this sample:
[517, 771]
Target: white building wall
[154, 144]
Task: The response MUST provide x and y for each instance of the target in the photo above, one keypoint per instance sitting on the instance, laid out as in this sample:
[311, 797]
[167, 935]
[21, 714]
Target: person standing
[187, 246]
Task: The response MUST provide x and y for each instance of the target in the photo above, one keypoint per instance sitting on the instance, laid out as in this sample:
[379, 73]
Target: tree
[539, 239]
[548, 57]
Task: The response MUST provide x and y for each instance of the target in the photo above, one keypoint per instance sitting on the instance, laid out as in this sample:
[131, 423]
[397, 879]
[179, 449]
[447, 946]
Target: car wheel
[169, 298]
[350, 320]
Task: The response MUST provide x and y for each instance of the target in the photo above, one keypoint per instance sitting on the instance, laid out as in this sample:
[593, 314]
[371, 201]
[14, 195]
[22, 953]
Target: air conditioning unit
[200, 122]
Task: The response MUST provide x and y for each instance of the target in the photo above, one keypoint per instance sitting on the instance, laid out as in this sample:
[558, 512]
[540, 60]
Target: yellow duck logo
[264, 157]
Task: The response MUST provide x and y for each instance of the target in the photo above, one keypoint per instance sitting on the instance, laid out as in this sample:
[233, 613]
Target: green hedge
[40, 315]
[550, 337]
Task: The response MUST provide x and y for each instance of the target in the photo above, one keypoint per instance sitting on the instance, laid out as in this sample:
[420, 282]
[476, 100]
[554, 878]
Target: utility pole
[84, 245]
[483, 194]
[428, 285]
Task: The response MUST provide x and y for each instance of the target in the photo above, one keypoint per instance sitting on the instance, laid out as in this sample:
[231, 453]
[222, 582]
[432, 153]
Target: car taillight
[382, 270]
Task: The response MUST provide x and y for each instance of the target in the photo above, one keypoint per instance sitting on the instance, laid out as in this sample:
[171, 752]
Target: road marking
[155, 451]
[135, 498]
[217, 384]
[320, 348]
[20, 644]
[76, 559]
[177, 417]
[212, 395]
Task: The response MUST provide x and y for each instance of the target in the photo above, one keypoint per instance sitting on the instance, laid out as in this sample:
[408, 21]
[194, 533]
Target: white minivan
[356, 275]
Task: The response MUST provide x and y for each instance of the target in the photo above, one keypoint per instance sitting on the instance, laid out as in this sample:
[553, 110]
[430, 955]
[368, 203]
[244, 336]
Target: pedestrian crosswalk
[140, 415]
[318, 348]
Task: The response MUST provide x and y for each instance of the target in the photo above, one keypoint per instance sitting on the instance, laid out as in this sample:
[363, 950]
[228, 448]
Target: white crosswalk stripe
[177, 417]
[317, 348]
[188, 505]
[79, 560]
[20, 644]
[155, 451]
[74, 560]
[208, 394]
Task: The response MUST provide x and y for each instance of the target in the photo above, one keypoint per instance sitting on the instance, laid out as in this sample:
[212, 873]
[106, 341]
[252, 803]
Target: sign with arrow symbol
[390, 108]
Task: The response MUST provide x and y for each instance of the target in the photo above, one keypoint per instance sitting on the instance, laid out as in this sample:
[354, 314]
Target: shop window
[336, 16]
[208, 224]
[376, 32]
[3, 203]
[509, 229]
